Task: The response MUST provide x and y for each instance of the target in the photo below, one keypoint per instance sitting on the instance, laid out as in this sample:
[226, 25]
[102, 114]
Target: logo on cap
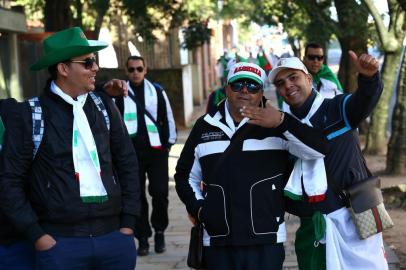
[248, 69]
[281, 62]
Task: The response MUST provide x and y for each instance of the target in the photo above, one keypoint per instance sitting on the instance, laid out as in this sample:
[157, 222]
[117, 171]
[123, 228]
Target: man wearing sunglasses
[324, 80]
[327, 237]
[242, 169]
[148, 117]
[71, 186]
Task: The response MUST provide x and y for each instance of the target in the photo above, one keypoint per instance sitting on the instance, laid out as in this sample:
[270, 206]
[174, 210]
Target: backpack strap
[37, 123]
[38, 119]
[100, 106]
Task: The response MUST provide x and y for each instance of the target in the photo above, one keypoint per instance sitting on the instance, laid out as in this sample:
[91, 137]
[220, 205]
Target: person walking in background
[242, 169]
[148, 117]
[222, 62]
[218, 95]
[327, 238]
[263, 61]
[68, 177]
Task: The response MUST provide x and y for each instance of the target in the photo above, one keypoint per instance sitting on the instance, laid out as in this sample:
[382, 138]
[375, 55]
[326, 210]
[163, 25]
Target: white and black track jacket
[243, 203]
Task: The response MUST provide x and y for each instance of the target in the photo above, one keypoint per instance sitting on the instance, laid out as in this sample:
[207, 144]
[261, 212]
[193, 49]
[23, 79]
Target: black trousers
[154, 164]
[259, 257]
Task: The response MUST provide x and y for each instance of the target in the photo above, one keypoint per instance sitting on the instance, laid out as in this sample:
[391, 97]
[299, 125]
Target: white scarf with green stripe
[84, 151]
[311, 172]
[151, 104]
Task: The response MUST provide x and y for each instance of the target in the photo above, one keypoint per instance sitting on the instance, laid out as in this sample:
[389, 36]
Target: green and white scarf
[84, 151]
[151, 104]
[311, 172]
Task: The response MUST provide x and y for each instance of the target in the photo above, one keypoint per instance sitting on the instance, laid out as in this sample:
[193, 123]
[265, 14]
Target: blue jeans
[17, 256]
[112, 251]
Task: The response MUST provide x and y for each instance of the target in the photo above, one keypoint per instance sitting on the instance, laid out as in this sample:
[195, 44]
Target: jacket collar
[223, 120]
[303, 110]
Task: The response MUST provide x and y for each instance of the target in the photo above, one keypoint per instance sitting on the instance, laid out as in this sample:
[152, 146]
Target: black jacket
[339, 118]
[51, 202]
[8, 233]
[242, 204]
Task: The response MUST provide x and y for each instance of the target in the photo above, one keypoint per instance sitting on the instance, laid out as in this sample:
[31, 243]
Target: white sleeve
[299, 149]
[171, 120]
[195, 178]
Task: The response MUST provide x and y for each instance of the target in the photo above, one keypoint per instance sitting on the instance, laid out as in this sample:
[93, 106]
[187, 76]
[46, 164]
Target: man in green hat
[69, 177]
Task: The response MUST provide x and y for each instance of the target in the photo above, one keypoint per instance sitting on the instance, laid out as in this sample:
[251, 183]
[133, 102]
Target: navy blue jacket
[338, 118]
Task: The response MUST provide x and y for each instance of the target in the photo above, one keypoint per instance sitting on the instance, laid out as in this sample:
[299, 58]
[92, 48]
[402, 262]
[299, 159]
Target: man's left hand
[116, 88]
[127, 231]
[268, 116]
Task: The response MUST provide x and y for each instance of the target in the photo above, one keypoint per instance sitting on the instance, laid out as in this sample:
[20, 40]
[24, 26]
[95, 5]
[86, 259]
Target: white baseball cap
[286, 63]
[244, 70]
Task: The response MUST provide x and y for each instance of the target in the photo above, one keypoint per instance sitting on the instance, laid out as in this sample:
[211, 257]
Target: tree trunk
[101, 6]
[79, 11]
[296, 50]
[57, 15]
[396, 157]
[347, 73]
[376, 138]
[352, 35]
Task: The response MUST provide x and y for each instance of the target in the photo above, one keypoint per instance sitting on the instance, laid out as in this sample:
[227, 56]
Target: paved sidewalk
[177, 234]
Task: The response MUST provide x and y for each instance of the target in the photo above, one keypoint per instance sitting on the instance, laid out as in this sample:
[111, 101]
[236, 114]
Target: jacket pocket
[266, 205]
[214, 214]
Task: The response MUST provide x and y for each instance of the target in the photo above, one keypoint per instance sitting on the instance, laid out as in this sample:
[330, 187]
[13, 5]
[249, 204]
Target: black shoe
[159, 242]
[143, 246]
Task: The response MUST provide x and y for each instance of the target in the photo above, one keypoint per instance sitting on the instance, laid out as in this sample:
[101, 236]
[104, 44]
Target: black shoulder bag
[195, 258]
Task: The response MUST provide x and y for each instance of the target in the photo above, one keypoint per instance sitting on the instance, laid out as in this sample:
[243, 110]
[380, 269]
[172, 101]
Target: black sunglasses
[313, 57]
[87, 63]
[252, 88]
[132, 69]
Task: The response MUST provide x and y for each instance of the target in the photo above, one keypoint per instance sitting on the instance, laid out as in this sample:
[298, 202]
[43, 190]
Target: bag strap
[140, 106]
[336, 189]
[100, 106]
[341, 193]
[38, 123]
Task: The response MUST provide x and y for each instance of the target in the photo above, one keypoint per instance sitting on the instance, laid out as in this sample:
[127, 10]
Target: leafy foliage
[33, 8]
[149, 15]
[195, 34]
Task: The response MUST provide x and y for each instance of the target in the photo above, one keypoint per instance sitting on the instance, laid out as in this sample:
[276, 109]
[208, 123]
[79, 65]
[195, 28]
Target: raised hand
[116, 88]
[268, 116]
[366, 64]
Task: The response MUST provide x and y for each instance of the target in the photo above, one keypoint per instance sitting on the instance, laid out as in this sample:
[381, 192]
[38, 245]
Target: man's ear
[63, 69]
[309, 77]
[227, 89]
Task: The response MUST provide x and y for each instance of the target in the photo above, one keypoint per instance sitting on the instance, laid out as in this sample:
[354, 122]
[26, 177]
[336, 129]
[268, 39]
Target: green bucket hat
[66, 44]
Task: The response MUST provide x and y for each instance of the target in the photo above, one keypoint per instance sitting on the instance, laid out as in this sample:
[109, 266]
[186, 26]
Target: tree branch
[380, 26]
